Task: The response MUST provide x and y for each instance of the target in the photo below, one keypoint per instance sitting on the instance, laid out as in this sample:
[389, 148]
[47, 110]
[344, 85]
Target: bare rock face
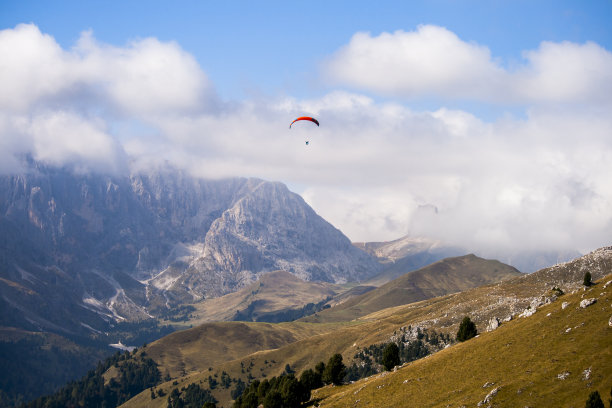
[90, 248]
[269, 228]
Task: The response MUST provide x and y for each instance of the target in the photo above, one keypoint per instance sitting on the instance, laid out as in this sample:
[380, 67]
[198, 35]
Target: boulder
[493, 324]
[587, 302]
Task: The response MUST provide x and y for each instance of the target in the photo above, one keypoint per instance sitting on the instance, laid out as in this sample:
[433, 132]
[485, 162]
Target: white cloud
[146, 77]
[566, 72]
[58, 105]
[432, 61]
[376, 170]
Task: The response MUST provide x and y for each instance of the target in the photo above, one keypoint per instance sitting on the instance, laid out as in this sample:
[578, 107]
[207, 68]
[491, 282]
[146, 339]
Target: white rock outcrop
[493, 324]
[587, 302]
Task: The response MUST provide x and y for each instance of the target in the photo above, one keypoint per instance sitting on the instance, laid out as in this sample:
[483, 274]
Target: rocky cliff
[78, 251]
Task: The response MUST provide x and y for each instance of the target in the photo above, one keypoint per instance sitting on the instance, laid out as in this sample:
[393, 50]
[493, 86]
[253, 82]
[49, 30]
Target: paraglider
[313, 120]
[305, 118]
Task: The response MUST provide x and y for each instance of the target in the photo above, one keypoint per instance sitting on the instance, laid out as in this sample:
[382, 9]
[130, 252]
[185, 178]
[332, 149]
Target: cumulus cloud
[377, 170]
[433, 61]
[59, 105]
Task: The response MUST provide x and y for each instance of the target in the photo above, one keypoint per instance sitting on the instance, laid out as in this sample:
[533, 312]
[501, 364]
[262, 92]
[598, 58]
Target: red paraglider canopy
[305, 118]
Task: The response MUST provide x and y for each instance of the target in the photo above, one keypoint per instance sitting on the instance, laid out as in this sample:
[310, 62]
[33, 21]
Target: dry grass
[274, 291]
[522, 358]
[438, 279]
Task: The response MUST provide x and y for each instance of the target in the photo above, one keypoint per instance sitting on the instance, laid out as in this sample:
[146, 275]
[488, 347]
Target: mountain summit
[81, 250]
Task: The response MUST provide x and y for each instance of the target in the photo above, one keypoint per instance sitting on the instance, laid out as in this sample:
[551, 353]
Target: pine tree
[594, 400]
[390, 357]
[467, 330]
[587, 279]
[334, 370]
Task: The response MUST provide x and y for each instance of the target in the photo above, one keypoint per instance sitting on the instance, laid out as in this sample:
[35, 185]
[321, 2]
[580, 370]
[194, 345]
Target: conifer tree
[391, 356]
[467, 330]
[334, 370]
[587, 279]
[594, 400]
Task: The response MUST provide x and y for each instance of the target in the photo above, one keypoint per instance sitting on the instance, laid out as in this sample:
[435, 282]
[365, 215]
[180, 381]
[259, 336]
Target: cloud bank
[376, 169]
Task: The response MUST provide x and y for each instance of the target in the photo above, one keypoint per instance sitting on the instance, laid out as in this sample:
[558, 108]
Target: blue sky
[481, 123]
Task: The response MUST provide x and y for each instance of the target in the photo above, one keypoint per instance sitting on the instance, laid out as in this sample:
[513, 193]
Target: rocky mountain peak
[99, 247]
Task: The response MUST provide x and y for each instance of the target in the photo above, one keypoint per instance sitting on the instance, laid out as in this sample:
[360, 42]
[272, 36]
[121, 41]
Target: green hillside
[449, 275]
[554, 358]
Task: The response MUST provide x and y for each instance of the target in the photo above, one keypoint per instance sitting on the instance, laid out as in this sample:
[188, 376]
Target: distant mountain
[98, 258]
[405, 255]
[449, 275]
[80, 250]
[410, 253]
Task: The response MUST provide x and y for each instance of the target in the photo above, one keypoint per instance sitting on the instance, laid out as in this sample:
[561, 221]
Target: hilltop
[449, 275]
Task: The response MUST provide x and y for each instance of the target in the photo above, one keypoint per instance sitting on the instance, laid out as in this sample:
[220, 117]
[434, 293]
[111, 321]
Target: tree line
[132, 377]
[286, 391]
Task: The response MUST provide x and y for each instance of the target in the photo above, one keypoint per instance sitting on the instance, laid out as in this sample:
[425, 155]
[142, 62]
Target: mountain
[410, 253]
[539, 341]
[97, 259]
[81, 250]
[449, 275]
[556, 357]
[405, 255]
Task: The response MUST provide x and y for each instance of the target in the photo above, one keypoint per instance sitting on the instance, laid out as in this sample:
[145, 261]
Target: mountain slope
[274, 294]
[440, 278]
[79, 251]
[93, 256]
[553, 358]
[268, 228]
[503, 300]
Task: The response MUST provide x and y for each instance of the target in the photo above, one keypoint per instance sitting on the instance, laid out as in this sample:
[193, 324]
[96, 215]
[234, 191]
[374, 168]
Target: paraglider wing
[313, 120]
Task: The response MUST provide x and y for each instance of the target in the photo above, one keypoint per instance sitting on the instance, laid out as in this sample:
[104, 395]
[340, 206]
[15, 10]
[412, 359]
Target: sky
[485, 124]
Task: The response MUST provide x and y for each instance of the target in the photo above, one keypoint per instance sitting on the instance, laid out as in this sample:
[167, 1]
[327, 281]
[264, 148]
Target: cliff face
[81, 250]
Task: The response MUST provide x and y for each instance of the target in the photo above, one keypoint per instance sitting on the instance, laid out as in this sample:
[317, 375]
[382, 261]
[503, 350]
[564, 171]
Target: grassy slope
[438, 279]
[523, 358]
[442, 314]
[274, 291]
[213, 344]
